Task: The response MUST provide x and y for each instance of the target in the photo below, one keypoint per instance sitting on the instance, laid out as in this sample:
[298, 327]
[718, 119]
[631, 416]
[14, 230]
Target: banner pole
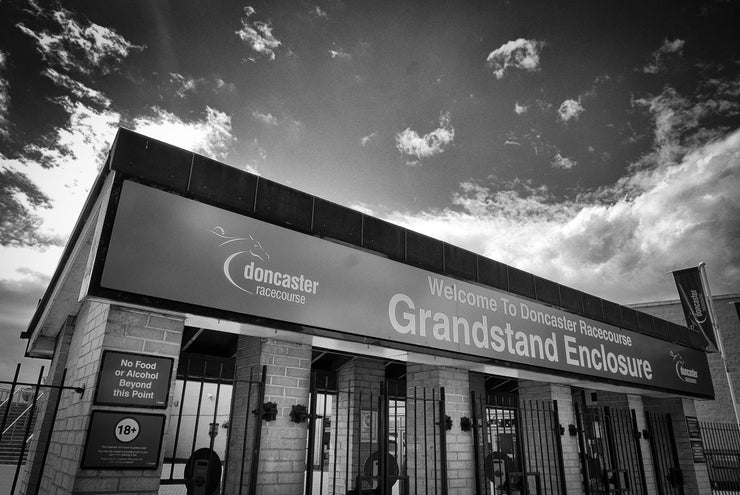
[720, 344]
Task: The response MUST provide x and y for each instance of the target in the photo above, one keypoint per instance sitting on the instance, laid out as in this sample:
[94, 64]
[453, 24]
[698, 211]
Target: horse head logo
[254, 246]
[246, 246]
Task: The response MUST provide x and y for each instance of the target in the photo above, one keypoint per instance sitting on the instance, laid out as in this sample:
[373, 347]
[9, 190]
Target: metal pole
[720, 345]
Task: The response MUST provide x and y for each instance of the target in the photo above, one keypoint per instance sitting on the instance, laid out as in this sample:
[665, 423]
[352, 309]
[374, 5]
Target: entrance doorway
[369, 434]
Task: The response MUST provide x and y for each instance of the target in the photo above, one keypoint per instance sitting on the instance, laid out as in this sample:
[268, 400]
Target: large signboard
[133, 380]
[173, 248]
[123, 440]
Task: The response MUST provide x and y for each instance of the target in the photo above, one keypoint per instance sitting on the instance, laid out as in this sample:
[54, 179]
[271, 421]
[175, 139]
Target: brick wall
[530, 390]
[99, 326]
[460, 455]
[282, 459]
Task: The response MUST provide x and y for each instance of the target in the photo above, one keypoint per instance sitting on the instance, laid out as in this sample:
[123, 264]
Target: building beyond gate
[231, 335]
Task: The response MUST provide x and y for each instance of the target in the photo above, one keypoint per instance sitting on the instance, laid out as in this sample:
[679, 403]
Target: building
[231, 331]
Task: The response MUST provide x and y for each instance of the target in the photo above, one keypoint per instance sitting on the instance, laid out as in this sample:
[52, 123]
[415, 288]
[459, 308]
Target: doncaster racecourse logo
[249, 269]
[688, 375]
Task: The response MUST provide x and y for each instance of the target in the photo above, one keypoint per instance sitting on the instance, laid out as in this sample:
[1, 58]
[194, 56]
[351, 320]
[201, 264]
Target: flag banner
[694, 302]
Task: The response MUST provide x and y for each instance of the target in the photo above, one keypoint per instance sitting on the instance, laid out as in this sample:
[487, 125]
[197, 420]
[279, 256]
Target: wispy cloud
[366, 139]
[266, 118]
[563, 162]
[519, 54]
[570, 109]
[258, 35]
[49, 182]
[340, 54]
[410, 143]
[210, 136]
[77, 89]
[520, 109]
[4, 97]
[76, 45]
[317, 12]
[659, 55]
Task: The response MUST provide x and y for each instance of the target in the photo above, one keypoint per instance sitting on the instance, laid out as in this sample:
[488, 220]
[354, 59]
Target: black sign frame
[88, 456]
[126, 402]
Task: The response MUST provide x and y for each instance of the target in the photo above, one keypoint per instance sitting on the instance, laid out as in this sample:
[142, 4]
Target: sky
[596, 144]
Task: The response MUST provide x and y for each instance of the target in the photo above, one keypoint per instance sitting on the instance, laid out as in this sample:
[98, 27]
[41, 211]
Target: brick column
[100, 326]
[359, 383]
[460, 456]
[282, 454]
[634, 402]
[566, 414]
[695, 475]
[34, 466]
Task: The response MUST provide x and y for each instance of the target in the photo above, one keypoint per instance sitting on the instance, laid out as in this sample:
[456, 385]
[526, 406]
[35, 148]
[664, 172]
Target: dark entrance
[370, 435]
[608, 441]
[517, 445]
[665, 456]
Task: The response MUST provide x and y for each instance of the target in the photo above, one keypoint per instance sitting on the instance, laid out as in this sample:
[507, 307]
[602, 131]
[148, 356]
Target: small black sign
[121, 440]
[692, 425]
[133, 380]
[697, 449]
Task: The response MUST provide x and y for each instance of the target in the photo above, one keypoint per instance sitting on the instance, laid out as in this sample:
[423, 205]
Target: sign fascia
[169, 249]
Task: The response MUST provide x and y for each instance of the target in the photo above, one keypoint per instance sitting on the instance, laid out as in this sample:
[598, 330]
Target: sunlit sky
[593, 143]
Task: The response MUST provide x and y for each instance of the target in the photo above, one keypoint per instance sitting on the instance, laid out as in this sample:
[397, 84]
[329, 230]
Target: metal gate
[611, 459]
[517, 446]
[376, 440]
[205, 433]
[722, 452]
[665, 455]
[22, 406]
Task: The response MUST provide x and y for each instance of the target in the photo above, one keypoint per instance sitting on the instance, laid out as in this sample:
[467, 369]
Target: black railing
[20, 411]
[722, 452]
[517, 446]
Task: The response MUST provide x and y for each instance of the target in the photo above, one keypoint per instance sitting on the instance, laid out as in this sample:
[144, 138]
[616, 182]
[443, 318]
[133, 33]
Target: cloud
[570, 109]
[77, 89]
[520, 109]
[4, 98]
[563, 163]
[210, 136]
[266, 118]
[519, 54]
[681, 122]
[366, 139]
[79, 46]
[677, 205]
[318, 13]
[659, 55]
[258, 35]
[65, 168]
[410, 143]
[340, 54]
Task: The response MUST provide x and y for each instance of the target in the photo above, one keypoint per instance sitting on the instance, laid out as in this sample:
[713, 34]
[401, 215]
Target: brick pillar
[634, 402]
[100, 326]
[282, 454]
[359, 383]
[530, 390]
[460, 457]
[33, 469]
[695, 475]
